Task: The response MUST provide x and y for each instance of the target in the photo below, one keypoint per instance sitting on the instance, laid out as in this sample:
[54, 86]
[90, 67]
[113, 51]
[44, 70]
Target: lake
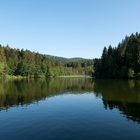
[70, 109]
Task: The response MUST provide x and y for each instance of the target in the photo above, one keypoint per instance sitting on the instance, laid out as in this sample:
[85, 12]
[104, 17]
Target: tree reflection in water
[121, 94]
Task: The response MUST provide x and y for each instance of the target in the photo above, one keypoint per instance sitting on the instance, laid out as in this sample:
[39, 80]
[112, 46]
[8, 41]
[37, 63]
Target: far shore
[69, 76]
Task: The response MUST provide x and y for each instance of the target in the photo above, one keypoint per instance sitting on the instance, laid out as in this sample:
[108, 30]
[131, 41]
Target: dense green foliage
[30, 64]
[122, 61]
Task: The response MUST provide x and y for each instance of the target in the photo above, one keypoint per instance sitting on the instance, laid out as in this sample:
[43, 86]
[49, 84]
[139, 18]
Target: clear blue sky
[68, 28]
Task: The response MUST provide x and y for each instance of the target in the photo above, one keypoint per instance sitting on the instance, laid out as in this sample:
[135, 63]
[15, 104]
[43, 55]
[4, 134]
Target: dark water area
[70, 109]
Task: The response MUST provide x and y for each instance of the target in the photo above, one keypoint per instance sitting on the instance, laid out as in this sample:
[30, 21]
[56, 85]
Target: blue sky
[68, 28]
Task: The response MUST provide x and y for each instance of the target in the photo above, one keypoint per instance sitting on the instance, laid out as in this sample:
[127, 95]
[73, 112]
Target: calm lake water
[70, 109]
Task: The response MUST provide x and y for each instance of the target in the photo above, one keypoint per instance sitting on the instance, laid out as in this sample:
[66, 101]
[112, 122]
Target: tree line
[16, 62]
[122, 61]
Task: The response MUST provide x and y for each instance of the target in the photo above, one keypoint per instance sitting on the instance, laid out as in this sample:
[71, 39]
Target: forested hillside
[122, 61]
[15, 62]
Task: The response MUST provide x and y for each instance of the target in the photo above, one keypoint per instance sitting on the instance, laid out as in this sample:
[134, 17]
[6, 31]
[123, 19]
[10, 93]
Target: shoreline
[74, 76]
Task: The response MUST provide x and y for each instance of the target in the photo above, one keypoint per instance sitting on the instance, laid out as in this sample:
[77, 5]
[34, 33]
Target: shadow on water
[120, 94]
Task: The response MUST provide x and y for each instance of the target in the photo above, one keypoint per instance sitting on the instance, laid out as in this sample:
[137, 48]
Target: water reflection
[26, 92]
[120, 94]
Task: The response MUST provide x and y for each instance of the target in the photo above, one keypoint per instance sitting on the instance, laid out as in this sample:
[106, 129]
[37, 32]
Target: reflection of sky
[66, 116]
[67, 28]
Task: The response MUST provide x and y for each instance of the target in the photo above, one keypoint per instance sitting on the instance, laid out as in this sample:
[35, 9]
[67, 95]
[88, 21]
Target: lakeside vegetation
[122, 61]
[15, 63]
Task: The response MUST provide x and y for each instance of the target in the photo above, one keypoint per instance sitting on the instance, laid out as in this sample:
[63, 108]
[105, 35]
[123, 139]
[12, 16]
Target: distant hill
[63, 59]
